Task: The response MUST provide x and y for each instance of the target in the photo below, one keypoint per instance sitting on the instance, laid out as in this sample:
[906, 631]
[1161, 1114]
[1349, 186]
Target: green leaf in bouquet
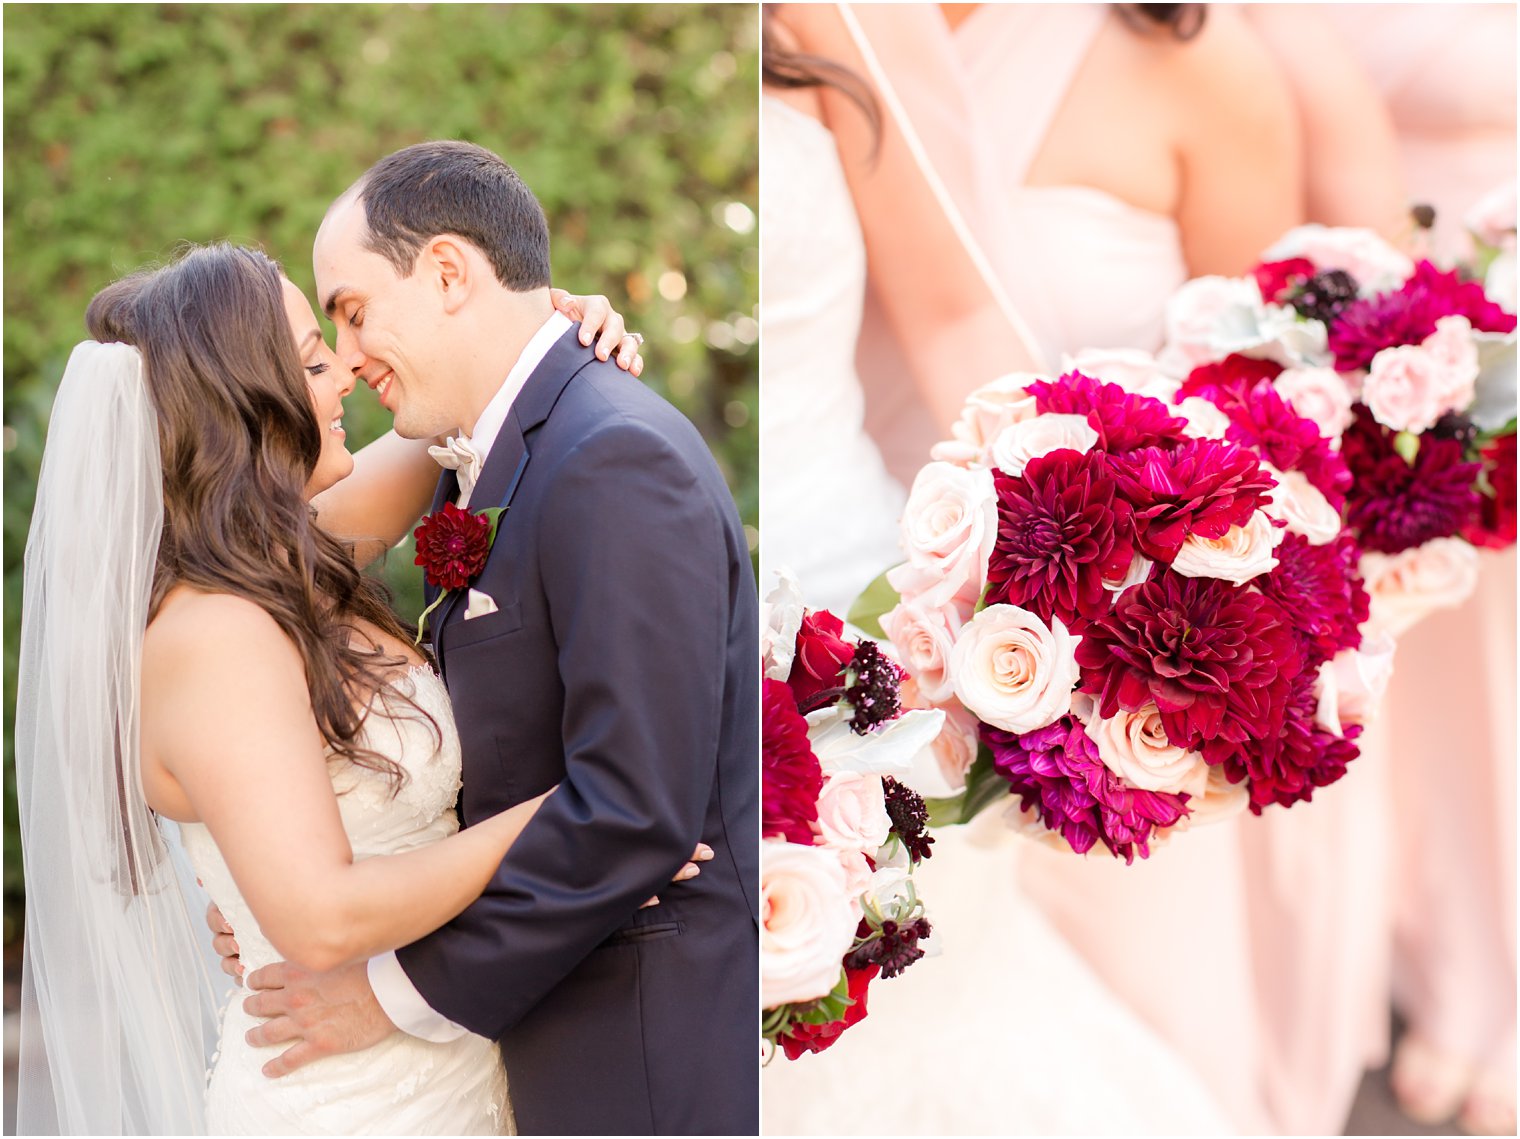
[1493, 406]
[875, 600]
[984, 787]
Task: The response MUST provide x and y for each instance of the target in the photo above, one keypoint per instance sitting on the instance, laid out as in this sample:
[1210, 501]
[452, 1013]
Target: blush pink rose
[1319, 395]
[923, 637]
[1407, 586]
[1302, 506]
[1350, 687]
[1133, 745]
[1243, 552]
[1021, 442]
[1220, 800]
[1455, 353]
[948, 528]
[852, 812]
[807, 922]
[1012, 670]
[1403, 388]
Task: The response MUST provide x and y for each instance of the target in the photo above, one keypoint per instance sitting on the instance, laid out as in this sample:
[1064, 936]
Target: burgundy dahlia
[1321, 593]
[452, 546]
[1123, 421]
[1203, 487]
[818, 665]
[1396, 504]
[791, 775]
[1276, 278]
[1495, 524]
[1056, 772]
[1062, 530]
[1409, 314]
[1307, 757]
[1216, 659]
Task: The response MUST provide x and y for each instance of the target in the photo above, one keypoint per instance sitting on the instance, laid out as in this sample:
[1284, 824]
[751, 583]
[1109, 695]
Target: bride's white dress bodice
[824, 475]
[404, 1085]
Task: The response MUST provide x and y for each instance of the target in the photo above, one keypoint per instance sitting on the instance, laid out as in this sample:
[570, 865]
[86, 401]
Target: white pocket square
[479, 604]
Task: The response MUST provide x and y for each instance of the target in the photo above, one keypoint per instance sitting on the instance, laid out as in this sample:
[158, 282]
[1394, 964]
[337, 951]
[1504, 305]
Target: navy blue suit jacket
[621, 664]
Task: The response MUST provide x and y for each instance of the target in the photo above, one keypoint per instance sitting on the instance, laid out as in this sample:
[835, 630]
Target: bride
[199, 646]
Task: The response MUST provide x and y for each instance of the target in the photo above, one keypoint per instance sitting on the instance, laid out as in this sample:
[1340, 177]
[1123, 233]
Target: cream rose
[1221, 800]
[1403, 388]
[1134, 371]
[1012, 670]
[922, 637]
[807, 923]
[948, 528]
[852, 811]
[857, 878]
[1407, 586]
[1350, 687]
[1319, 395]
[987, 411]
[1021, 442]
[1204, 419]
[1133, 745]
[1243, 553]
[1298, 502]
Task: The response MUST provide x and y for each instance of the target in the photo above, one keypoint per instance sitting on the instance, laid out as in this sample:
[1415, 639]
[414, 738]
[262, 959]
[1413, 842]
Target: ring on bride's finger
[638, 337]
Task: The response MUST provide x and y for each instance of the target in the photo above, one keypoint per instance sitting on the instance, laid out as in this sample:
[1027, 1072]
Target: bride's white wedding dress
[1006, 1030]
[403, 1085]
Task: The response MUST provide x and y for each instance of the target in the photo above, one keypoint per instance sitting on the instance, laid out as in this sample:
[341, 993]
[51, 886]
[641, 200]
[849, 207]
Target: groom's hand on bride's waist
[318, 1014]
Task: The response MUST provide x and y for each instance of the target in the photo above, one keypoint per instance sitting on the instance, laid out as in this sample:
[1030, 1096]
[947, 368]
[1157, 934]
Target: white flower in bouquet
[922, 637]
[1298, 502]
[1242, 553]
[1204, 419]
[1407, 586]
[885, 750]
[780, 618]
[1210, 318]
[807, 922]
[948, 528]
[1021, 442]
[1350, 686]
[987, 411]
[852, 812]
[1013, 671]
[1136, 372]
[1376, 265]
[1409, 387]
[1133, 745]
[1320, 395]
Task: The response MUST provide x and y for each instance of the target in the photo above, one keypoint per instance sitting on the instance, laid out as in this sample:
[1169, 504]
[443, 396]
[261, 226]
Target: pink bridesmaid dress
[1447, 72]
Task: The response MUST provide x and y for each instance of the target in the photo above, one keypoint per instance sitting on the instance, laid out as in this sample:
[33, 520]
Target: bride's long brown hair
[239, 439]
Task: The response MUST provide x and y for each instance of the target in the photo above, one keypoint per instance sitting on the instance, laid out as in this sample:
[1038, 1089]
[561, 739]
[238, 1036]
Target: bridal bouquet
[1135, 601]
[841, 833]
[1409, 368]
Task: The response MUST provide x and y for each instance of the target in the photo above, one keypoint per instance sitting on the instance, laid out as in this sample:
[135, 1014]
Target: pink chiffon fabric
[1447, 72]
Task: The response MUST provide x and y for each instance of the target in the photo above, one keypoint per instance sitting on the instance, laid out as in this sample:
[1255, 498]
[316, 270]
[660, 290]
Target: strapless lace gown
[403, 1085]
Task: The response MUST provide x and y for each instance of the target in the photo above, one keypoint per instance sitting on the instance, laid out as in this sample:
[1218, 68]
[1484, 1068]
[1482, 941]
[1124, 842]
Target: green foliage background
[131, 128]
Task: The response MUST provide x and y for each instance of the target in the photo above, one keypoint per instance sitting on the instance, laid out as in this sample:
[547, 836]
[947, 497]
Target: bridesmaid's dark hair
[1183, 21]
[792, 70]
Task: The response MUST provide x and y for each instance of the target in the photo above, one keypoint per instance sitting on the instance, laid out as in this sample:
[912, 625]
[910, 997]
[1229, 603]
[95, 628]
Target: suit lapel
[510, 452]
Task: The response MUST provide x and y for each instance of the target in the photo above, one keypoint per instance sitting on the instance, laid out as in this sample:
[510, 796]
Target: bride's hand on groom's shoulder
[318, 1014]
[597, 315]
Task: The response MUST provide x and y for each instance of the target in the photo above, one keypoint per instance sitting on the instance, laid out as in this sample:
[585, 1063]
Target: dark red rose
[822, 652]
[1275, 278]
[816, 1037]
[452, 546]
[1495, 525]
[791, 777]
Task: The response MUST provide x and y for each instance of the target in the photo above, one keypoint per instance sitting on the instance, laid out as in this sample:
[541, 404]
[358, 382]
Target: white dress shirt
[392, 987]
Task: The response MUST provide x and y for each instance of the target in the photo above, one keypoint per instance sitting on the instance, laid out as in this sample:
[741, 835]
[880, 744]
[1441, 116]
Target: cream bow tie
[459, 454]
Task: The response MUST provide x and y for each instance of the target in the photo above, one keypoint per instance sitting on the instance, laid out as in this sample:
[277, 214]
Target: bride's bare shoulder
[197, 630]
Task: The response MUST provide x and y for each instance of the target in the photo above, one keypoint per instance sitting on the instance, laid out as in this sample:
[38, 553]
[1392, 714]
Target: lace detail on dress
[403, 1085]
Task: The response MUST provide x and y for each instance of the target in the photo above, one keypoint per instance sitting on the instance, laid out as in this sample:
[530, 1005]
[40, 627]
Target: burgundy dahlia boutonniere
[452, 548]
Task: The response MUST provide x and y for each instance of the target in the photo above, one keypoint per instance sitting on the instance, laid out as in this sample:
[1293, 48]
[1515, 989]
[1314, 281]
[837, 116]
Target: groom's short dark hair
[421, 191]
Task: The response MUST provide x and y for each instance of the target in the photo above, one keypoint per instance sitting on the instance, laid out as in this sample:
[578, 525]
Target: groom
[608, 649]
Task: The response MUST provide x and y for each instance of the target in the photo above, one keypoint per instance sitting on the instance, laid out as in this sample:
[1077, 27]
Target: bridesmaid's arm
[1240, 147]
[955, 334]
[1350, 147]
[393, 479]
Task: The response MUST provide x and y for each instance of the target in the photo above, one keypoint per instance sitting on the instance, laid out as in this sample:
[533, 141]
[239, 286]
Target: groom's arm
[636, 570]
